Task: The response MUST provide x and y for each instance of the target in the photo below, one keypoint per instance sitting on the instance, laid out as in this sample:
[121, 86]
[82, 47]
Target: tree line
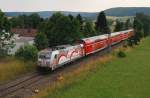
[26, 21]
[60, 29]
[55, 30]
[141, 27]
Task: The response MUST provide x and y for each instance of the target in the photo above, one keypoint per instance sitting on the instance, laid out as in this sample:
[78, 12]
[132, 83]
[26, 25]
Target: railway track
[36, 79]
[19, 84]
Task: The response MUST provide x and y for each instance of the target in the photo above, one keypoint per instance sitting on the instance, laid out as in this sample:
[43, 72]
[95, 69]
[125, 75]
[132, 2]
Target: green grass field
[121, 78]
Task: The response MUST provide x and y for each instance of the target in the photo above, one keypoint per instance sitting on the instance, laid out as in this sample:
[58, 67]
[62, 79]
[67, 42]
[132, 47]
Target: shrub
[121, 54]
[28, 52]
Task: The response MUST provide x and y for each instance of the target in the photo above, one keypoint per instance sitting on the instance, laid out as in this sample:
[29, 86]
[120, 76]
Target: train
[58, 56]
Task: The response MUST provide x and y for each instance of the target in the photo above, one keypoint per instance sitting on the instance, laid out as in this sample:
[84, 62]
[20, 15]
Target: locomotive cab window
[55, 56]
[45, 55]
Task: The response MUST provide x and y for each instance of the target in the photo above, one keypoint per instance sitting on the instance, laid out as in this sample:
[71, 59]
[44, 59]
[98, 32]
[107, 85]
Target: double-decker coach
[95, 43]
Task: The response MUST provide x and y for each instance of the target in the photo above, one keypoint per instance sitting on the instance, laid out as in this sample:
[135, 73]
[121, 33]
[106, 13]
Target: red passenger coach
[94, 44]
[127, 34]
[116, 37]
[124, 35]
[130, 33]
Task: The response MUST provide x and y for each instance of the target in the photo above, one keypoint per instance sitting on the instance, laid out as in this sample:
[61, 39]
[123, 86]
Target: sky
[68, 5]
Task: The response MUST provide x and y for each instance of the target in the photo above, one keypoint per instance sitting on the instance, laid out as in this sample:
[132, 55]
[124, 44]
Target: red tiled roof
[25, 32]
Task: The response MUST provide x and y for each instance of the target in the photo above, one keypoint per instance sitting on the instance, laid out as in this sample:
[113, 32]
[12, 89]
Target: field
[112, 21]
[119, 78]
[10, 68]
[124, 18]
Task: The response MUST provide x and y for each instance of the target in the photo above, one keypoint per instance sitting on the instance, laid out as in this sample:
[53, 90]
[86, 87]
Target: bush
[121, 54]
[28, 52]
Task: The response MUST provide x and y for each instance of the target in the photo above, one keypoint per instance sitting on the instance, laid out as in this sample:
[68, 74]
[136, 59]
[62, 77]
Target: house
[21, 41]
[24, 32]
[22, 37]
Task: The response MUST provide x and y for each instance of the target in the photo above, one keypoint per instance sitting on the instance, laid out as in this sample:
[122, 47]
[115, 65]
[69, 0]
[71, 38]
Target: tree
[41, 41]
[70, 16]
[5, 35]
[146, 27]
[34, 20]
[4, 43]
[141, 27]
[15, 22]
[61, 29]
[145, 20]
[24, 21]
[138, 28]
[42, 26]
[101, 24]
[4, 23]
[79, 18]
[89, 29]
[128, 24]
[75, 30]
[119, 26]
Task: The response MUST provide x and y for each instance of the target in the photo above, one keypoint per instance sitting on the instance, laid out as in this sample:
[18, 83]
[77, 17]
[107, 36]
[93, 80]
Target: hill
[46, 14]
[119, 12]
[127, 11]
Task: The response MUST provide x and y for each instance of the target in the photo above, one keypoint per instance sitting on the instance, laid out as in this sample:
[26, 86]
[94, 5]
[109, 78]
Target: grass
[10, 68]
[65, 79]
[119, 78]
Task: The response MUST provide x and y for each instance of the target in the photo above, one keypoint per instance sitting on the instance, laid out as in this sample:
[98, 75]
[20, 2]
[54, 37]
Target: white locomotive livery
[60, 55]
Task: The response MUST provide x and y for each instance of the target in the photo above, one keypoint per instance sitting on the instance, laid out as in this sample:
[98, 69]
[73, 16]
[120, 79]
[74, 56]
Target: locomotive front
[44, 58]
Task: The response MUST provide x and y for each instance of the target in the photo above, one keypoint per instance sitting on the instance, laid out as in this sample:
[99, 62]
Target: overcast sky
[68, 5]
